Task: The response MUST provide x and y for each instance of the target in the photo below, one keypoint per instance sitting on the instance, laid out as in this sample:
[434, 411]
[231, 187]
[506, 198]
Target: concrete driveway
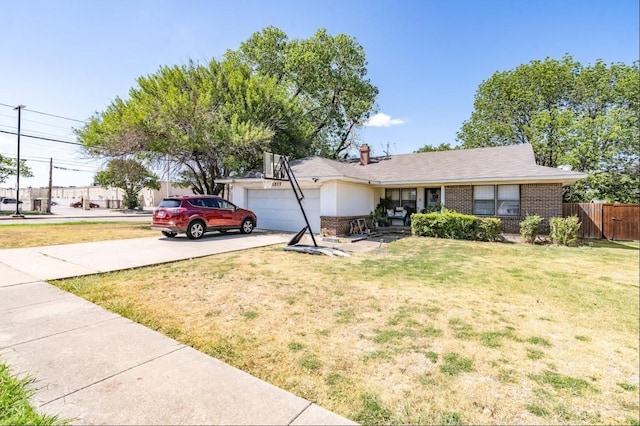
[70, 260]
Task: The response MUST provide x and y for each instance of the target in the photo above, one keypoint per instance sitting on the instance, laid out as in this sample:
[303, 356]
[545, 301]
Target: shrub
[530, 228]
[455, 225]
[432, 209]
[564, 230]
[444, 225]
[489, 228]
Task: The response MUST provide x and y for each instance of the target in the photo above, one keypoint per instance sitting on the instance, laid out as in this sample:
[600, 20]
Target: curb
[53, 216]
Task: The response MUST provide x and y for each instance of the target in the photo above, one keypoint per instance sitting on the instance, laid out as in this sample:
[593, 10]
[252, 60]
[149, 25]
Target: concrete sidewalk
[94, 367]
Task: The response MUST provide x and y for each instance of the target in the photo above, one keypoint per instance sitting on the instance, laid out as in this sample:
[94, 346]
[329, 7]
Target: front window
[496, 200]
[405, 197]
[508, 200]
[484, 197]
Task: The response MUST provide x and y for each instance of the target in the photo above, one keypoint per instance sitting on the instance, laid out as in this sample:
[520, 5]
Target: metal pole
[50, 185]
[297, 191]
[19, 108]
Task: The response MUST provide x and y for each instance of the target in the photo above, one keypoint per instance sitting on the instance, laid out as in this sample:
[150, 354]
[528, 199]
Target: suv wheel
[195, 230]
[247, 226]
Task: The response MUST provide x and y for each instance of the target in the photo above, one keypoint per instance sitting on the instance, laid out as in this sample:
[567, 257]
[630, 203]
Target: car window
[169, 203]
[224, 204]
[211, 202]
[197, 202]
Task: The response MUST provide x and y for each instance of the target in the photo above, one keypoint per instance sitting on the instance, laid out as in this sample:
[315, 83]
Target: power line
[40, 137]
[41, 123]
[46, 113]
[56, 116]
[73, 170]
[33, 132]
[47, 159]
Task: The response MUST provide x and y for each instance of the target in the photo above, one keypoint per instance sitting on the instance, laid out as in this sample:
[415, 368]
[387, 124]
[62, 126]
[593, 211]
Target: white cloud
[383, 120]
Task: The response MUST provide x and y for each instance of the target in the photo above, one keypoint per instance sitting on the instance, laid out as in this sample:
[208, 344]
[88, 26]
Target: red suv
[197, 214]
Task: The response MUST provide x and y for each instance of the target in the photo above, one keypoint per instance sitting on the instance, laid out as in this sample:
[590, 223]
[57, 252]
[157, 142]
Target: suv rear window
[170, 203]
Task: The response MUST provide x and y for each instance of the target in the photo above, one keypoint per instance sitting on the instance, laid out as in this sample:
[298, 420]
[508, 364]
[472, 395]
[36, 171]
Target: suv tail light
[167, 213]
[177, 211]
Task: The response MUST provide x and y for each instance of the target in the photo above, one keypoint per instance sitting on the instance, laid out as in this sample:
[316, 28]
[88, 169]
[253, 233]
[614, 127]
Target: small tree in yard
[130, 176]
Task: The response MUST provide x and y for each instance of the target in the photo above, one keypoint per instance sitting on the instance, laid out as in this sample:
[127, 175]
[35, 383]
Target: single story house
[502, 182]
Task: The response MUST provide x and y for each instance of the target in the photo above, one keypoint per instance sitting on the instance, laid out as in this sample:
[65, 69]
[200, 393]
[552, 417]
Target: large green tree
[211, 120]
[325, 76]
[585, 117]
[8, 168]
[129, 175]
[292, 97]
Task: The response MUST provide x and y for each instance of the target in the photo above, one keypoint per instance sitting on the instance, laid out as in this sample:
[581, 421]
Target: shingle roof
[505, 163]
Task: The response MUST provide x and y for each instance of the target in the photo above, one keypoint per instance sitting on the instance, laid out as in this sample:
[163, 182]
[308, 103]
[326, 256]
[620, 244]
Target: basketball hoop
[267, 183]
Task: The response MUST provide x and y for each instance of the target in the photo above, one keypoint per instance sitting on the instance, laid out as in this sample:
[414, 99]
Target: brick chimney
[364, 154]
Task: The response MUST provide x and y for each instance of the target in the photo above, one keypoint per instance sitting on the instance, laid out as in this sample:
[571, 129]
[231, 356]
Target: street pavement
[92, 366]
[65, 214]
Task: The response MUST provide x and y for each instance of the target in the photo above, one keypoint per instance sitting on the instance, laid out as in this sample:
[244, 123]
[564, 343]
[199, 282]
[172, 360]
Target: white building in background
[104, 197]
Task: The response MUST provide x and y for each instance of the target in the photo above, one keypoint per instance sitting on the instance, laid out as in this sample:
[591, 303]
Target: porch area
[359, 225]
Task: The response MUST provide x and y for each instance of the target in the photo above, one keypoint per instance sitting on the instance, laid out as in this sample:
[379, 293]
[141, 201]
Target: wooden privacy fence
[610, 221]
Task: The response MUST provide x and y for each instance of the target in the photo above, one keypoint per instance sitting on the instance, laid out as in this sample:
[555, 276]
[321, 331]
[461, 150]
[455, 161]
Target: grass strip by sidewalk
[15, 408]
[44, 234]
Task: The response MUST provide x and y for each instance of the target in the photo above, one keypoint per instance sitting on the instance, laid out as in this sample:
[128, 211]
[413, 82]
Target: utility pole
[18, 214]
[50, 185]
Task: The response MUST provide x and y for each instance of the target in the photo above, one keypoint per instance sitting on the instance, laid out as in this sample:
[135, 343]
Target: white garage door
[278, 209]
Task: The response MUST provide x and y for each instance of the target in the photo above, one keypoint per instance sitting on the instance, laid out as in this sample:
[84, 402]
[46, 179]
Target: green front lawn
[420, 331]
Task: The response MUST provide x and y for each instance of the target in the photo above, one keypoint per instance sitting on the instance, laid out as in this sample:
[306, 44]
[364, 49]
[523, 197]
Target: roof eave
[564, 180]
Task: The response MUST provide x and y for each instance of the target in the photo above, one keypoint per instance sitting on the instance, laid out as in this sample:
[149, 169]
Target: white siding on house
[278, 209]
[354, 199]
[329, 198]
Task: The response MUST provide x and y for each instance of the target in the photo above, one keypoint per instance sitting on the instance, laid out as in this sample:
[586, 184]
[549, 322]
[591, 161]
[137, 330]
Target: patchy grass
[424, 331]
[45, 234]
[15, 408]
[454, 364]
[561, 382]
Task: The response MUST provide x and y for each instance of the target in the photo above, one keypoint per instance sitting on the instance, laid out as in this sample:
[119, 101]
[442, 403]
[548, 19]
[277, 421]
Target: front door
[433, 199]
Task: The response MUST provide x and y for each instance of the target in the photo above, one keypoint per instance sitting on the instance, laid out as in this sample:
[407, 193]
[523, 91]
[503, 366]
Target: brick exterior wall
[459, 198]
[544, 200]
[340, 225]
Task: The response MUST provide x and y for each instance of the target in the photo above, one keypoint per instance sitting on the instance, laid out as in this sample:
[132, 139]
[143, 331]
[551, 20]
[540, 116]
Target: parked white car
[9, 204]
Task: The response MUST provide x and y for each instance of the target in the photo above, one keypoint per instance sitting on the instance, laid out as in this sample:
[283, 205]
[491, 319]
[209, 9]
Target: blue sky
[72, 58]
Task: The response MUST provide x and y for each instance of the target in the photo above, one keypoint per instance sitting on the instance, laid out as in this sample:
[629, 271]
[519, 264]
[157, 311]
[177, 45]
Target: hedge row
[457, 226]
[450, 224]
